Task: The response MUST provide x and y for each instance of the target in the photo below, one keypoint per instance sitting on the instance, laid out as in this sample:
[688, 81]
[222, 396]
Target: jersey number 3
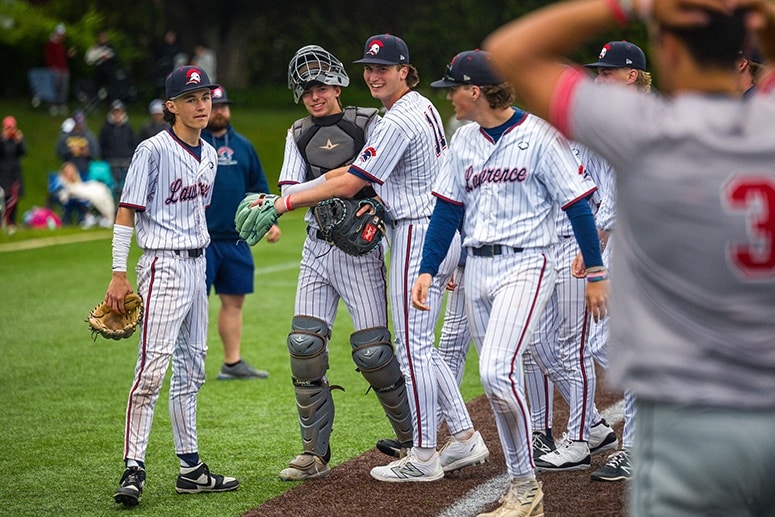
[754, 260]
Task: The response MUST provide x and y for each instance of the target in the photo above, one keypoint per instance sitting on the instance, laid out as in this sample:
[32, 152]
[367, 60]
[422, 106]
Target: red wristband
[288, 203]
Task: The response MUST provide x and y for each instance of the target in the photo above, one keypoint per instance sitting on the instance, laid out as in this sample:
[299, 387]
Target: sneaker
[241, 370]
[393, 447]
[305, 466]
[193, 480]
[542, 444]
[522, 499]
[617, 468]
[130, 487]
[602, 438]
[569, 455]
[410, 468]
[458, 454]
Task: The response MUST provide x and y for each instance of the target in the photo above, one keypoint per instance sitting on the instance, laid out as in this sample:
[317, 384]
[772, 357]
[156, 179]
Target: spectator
[165, 56]
[117, 141]
[103, 57]
[56, 56]
[156, 121]
[204, 58]
[77, 143]
[11, 181]
[96, 193]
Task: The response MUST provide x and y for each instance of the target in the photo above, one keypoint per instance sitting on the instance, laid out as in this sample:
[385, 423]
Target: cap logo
[374, 48]
[193, 77]
[628, 61]
[603, 52]
[217, 93]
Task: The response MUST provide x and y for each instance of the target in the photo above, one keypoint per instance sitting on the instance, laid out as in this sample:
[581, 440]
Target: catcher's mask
[314, 63]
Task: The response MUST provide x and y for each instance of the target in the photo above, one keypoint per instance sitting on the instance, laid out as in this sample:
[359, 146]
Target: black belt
[490, 250]
[191, 253]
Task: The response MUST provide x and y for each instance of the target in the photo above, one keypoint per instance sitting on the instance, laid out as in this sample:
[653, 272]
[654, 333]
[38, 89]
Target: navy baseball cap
[469, 67]
[186, 79]
[620, 54]
[385, 49]
[219, 96]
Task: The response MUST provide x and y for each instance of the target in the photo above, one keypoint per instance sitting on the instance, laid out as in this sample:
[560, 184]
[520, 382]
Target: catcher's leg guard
[372, 351]
[309, 362]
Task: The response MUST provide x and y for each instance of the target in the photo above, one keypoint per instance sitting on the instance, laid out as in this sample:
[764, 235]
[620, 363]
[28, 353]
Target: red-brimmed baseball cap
[469, 67]
[385, 49]
[187, 79]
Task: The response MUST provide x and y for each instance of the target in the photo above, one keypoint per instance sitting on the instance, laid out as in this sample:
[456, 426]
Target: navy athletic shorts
[229, 267]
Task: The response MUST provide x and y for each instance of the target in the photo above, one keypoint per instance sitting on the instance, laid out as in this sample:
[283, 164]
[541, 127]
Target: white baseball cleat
[410, 468]
[458, 454]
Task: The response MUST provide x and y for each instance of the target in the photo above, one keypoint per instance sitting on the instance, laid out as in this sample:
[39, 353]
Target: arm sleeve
[441, 230]
[584, 229]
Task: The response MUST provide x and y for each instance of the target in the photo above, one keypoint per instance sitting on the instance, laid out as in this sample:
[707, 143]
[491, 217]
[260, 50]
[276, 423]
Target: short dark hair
[412, 77]
[169, 117]
[716, 44]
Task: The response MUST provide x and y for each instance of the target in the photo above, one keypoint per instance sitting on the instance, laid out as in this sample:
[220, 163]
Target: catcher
[326, 139]
[111, 324]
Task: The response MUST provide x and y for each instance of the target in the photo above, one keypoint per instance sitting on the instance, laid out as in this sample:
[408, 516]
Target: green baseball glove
[253, 223]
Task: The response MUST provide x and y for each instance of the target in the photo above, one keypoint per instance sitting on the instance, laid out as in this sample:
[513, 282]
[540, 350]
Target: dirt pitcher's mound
[351, 491]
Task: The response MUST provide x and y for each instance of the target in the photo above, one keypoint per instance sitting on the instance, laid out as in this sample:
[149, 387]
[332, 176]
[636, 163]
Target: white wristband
[122, 240]
[300, 187]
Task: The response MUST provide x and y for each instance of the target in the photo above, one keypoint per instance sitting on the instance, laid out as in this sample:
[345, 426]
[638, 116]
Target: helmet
[314, 63]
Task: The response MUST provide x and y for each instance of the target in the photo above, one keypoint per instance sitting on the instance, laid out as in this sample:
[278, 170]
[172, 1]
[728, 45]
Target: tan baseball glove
[112, 325]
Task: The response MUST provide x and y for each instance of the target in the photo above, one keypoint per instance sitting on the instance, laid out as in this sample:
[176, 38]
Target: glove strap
[122, 240]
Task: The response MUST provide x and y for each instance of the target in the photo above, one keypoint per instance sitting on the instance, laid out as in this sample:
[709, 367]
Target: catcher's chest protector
[333, 141]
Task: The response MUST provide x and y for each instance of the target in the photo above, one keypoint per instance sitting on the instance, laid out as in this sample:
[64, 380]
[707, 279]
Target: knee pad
[307, 346]
[372, 351]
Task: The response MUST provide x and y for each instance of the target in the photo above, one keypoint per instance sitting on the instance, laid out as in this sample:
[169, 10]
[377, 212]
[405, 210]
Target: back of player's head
[716, 44]
[314, 64]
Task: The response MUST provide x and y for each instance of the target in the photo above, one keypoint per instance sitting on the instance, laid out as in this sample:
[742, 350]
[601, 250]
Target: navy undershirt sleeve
[441, 230]
[583, 222]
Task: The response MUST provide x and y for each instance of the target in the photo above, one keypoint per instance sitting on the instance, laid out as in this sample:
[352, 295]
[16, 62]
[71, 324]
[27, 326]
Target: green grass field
[63, 396]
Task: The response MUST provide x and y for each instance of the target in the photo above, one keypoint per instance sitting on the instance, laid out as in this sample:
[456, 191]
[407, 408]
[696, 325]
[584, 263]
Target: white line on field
[479, 498]
[277, 267]
[54, 241]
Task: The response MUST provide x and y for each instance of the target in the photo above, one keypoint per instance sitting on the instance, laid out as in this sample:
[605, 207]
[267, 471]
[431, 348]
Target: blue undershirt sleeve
[441, 230]
[584, 229]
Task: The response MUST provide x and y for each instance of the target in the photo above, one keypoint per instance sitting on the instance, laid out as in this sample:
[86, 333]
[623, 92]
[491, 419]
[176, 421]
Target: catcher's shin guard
[309, 362]
[372, 351]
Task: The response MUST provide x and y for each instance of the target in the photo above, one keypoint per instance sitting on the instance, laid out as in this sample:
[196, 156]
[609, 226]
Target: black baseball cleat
[130, 487]
[392, 447]
[193, 480]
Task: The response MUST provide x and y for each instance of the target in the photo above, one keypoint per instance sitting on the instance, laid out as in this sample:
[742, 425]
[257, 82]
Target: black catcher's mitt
[355, 235]
[112, 325]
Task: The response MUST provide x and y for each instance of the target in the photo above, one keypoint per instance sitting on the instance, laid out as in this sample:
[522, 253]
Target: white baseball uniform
[511, 189]
[169, 188]
[402, 158]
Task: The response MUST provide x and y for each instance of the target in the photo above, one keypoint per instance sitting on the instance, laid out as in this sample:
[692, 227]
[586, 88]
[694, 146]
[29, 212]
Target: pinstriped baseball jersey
[168, 196]
[603, 177]
[519, 179]
[294, 168]
[408, 149]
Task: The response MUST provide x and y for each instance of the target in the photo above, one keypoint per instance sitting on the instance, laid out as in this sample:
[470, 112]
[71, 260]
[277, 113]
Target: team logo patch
[193, 76]
[217, 93]
[374, 48]
[367, 153]
[604, 51]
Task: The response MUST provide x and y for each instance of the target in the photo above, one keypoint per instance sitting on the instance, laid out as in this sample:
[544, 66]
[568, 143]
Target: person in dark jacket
[12, 149]
[229, 259]
[117, 141]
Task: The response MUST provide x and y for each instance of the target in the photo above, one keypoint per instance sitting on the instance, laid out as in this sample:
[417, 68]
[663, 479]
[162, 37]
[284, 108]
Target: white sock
[424, 453]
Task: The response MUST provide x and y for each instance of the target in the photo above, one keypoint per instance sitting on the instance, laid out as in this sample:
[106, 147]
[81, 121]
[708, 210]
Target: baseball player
[168, 186]
[694, 264]
[508, 172]
[401, 160]
[327, 138]
[229, 259]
